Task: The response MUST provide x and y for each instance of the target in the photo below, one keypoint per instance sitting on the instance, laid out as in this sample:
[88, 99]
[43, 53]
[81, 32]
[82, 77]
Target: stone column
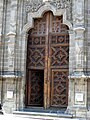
[78, 24]
[78, 83]
[11, 44]
[12, 35]
[24, 37]
[1, 18]
[11, 84]
[79, 49]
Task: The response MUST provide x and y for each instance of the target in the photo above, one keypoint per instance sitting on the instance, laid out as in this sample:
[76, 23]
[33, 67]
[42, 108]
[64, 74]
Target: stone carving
[33, 5]
[10, 51]
[79, 14]
[10, 55]
[13, 20]
[79, 56]
[60, 4]
[69, 12]
[63, 4]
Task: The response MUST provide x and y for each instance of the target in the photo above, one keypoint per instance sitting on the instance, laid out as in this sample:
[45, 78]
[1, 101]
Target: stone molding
[79, 29]
[11, 33]
[78, 77]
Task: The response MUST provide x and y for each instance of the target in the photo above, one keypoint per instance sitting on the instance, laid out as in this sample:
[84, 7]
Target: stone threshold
[40, 114]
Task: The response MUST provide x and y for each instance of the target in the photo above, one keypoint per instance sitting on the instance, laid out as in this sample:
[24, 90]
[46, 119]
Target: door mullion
[46, 64]
[49, 59]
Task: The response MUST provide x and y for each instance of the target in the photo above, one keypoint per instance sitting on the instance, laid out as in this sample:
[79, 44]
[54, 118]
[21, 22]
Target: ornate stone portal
[77, 77]
[48, 53]
[13, 32]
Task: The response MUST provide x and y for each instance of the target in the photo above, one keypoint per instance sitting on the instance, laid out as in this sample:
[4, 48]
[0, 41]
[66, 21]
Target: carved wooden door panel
[35, 89]
[59, 57]
[36, 48]
[48, 51]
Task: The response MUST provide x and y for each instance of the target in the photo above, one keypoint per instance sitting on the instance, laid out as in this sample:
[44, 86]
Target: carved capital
[11, 34]
[79, 29]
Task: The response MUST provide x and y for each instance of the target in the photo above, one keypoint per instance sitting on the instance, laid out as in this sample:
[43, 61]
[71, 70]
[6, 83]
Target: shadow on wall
[1, 110]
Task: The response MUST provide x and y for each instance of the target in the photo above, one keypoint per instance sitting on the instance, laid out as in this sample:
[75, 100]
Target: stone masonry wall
[11, 49]
[16, 21]
[87, 24]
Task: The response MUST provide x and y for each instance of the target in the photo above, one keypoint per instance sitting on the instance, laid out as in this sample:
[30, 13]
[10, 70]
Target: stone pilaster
[11, 42]
[11, 85]
[78, 25]
[1, 17]
[23, 67]
[12, 35]
[78, 80]
[79, 48]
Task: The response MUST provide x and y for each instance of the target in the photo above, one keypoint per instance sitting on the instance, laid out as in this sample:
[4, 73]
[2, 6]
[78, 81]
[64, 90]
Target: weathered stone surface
[16, 18]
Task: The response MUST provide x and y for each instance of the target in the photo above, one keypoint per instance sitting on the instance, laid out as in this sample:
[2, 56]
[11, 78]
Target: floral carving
[63, 4]
[33, 5]
[60, 4]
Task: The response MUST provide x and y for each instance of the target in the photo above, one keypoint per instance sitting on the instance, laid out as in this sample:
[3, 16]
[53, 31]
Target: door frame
[47, 69]
[29, 25]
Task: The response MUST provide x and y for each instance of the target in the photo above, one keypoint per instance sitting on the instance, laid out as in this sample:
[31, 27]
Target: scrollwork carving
[33, 5]
[60, 4]
[78, 16]
[63, 4]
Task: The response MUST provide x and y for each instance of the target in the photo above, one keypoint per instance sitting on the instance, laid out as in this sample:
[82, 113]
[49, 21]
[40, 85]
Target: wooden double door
[47, 62]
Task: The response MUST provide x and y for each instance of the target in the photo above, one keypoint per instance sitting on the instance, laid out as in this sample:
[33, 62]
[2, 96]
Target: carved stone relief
[34, 5]
[79, 47]
[60, 4]
[79, 56]
[63, 4]
[78, 13]
[10, 54]
[13, 21]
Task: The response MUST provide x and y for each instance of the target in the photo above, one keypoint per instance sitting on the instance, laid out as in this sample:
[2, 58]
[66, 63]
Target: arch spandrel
[39, 13]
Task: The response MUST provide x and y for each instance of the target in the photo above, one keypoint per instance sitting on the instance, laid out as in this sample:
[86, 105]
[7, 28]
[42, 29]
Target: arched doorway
[47, 62]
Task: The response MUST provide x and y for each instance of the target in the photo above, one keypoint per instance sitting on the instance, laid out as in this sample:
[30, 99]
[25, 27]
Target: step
[40, 114]
[26, 117]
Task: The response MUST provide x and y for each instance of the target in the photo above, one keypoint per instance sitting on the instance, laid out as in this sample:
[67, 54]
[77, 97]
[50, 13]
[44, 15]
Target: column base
[77, 111]
[77, 101]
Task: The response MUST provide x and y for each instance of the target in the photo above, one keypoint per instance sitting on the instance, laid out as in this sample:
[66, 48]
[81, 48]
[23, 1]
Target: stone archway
[48, 54]
[29, 25]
